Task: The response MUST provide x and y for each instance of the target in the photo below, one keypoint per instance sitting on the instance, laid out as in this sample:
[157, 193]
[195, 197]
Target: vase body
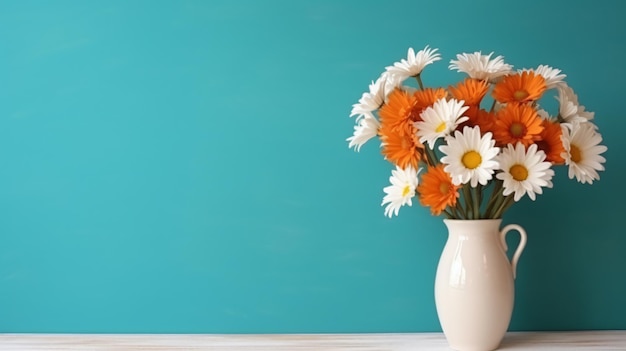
[474, 284]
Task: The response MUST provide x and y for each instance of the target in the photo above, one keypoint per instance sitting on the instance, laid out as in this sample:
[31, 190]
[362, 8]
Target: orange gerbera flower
[436, 190]
[517, 123]
[479, 117]
[470, 90]
[551, 142]
[427, 97]
[519, 88]
[397, 114]
[401, 148]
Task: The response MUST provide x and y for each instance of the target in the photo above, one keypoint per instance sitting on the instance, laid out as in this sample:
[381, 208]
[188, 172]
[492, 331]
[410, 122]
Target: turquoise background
[181, 166]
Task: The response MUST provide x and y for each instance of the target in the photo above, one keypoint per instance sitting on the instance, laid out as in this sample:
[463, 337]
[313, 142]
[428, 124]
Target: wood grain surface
[583, 340]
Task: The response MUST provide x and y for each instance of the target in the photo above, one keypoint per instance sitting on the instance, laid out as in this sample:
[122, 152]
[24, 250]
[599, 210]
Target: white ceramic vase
[474, 288]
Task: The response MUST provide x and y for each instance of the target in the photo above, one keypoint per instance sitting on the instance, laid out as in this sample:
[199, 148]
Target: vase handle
[520, 247]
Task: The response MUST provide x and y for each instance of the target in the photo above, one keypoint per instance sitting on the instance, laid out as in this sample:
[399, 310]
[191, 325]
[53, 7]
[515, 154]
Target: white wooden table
[585, 340]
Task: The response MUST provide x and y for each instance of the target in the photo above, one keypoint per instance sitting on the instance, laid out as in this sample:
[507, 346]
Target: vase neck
[471, 228]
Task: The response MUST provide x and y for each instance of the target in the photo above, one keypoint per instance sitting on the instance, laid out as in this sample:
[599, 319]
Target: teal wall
[181, 166]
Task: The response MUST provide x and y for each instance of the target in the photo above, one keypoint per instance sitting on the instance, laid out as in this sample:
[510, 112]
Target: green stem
[508, 201]
[454, 211]
[448, 214]
[433, 157]
[496, 205]
[495, 195]
[419, 81]
[468, 201]
[476, 199]
[508, 205]
[481, 197]
[428, 156]
[459, 208]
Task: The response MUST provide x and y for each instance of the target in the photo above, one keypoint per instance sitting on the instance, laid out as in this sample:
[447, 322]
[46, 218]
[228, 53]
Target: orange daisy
[551, 143]
[436, 190]
[470, 90]
[479, 117]
[401, 149]
[427, 97]
[519, 88]
[397, 114]
[517, 123]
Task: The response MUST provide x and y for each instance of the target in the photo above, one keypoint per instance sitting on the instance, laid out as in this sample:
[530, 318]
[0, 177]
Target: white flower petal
[366, 128]
[569, 108]
[469, 140]
[533, 162]
[414, 63]
[374, 98]
[582, 151]
[439, 120]
[552, 76]
[401, 191]
[479, 66]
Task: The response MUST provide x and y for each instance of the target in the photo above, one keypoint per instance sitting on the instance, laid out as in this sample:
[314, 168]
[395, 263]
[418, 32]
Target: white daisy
[551, 75]
[366, 128]
[393, 82]
[544, 114]
[372, 99]
[582, 151]
[569, 109]
[414, 63]
[440, 120]
[480, 66]
[524, 171]
[401, 191]
[470, 157]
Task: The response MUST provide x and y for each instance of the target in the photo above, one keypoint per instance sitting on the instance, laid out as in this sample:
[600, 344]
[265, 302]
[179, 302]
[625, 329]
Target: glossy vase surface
[474, 285]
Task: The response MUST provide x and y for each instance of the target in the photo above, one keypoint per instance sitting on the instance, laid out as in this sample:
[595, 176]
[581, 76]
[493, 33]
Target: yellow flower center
[444, 188]
[575, 153]
[517, 130]
[519, 172]
[520, 95]
[441, 127]
[471, 159]
[406, 190]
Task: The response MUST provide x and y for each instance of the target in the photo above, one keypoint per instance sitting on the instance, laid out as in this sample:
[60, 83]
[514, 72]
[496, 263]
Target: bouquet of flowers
[471, 150]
